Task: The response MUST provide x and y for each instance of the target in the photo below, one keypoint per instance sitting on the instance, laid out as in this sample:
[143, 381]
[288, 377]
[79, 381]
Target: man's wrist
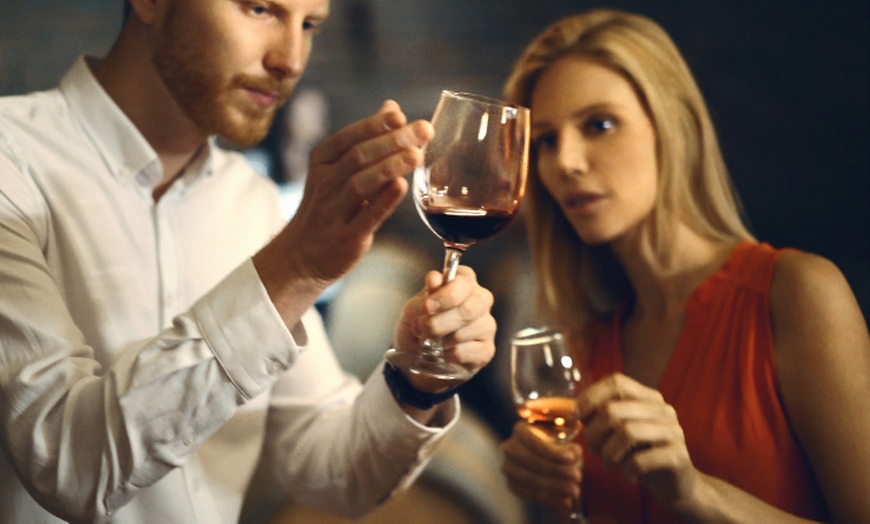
[405, 392]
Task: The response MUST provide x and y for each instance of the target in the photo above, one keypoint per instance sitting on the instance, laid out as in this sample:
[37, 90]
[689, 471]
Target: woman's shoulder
[803, 277]
[812, 305]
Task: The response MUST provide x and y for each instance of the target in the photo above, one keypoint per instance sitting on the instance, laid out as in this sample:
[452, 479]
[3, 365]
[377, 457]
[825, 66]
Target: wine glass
[546, 382]
[469, 188]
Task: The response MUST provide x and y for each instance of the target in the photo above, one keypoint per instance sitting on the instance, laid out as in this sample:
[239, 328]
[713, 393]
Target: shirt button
[273, 367]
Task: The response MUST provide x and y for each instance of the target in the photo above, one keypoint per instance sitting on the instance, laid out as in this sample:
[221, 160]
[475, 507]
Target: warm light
[484, 123]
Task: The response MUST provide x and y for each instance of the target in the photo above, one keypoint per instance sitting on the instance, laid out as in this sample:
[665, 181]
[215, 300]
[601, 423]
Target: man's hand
[356, 180]
[460, 313]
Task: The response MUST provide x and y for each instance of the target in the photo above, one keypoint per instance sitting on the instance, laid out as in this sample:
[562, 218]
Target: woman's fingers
[632, 427]
[540, 469]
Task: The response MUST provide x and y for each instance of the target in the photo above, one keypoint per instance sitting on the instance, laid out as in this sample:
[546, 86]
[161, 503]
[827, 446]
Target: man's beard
[194, 80]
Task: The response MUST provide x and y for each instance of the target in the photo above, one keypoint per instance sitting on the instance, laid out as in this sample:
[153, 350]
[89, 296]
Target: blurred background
[786, 83]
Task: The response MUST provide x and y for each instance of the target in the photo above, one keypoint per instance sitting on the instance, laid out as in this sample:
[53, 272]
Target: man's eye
[258, 10]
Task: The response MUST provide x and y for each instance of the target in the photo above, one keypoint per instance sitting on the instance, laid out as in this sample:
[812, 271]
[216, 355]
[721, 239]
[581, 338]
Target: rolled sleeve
[245, 332]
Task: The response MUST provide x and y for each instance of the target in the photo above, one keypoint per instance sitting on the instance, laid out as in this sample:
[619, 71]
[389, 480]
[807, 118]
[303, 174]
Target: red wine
[557, 416]
[464, 227]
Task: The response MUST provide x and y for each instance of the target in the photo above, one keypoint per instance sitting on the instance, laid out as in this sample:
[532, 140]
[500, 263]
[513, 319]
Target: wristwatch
[404, 391]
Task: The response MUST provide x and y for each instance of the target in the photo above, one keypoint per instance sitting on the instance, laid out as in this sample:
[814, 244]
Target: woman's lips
[582, 203]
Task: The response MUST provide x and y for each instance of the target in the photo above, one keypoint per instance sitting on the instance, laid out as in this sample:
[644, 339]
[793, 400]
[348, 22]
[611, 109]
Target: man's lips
[265, 99]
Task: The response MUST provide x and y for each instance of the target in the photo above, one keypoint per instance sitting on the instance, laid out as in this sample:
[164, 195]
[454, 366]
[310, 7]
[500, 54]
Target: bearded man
[157, 334]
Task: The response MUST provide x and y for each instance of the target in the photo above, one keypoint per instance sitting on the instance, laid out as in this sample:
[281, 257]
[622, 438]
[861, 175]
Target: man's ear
[147, 11]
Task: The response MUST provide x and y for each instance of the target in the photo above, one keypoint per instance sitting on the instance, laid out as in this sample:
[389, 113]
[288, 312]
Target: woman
[725, 380]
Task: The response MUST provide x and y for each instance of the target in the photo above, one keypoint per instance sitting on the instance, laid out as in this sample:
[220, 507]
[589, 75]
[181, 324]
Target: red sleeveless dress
[721, 379]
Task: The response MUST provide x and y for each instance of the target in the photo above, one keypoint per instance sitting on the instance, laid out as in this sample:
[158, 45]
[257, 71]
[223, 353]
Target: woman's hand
[540, 469]
[632, 428]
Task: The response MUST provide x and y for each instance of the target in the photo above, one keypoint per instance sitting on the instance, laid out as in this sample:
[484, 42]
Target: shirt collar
[122, 146]
[126, 152]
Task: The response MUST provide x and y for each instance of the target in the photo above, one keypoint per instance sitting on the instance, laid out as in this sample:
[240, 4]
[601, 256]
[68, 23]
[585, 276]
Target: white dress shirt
[143, 369]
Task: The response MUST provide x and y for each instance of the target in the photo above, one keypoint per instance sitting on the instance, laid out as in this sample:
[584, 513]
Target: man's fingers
[388, 118]
[363, 187]
[372, 213]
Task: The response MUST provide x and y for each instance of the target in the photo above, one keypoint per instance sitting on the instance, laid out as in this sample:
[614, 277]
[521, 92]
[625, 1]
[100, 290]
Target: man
[157, 336]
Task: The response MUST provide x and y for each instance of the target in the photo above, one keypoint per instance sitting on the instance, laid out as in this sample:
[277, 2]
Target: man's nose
[287, 54]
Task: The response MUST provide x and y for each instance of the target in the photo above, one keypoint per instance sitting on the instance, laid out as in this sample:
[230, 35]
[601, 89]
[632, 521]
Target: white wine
[557, 416]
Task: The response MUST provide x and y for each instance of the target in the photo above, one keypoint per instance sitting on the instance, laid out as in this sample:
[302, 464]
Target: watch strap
[404, 391]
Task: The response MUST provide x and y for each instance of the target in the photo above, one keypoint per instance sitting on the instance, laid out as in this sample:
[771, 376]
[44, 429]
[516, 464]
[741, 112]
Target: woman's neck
[663, 279]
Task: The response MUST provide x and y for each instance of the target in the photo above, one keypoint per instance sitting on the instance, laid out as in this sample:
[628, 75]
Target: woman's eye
[599, 125]
[545, 141]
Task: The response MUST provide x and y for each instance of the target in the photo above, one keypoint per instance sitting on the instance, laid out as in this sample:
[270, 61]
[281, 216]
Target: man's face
[230, 64]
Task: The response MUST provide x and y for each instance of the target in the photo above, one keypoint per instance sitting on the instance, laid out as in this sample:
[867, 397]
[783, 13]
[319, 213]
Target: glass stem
[451, 263]
[433, 349]
[575, 513]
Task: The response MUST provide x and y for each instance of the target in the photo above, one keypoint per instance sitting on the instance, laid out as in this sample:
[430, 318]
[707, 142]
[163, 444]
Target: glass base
[429, 367]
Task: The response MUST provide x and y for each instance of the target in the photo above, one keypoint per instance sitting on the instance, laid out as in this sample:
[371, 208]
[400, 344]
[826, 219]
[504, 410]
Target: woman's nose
[572, 155]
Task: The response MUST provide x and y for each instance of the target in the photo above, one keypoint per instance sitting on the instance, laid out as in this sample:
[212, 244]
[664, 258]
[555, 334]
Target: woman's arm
[823, 364]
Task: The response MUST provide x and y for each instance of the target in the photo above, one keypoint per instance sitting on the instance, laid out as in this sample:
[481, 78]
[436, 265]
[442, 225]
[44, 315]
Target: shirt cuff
[245, 332]
[406, 439]
[376, 386]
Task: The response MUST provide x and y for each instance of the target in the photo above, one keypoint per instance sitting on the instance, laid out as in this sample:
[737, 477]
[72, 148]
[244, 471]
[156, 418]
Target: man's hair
[127, 9]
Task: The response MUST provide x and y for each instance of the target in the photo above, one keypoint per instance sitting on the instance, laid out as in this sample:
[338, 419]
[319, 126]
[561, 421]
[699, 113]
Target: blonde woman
[726, 380]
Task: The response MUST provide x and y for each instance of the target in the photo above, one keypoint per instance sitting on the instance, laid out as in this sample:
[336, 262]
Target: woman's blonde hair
[579, 281]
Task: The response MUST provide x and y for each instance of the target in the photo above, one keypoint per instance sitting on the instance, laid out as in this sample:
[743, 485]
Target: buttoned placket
[167, 252]
[167, 262]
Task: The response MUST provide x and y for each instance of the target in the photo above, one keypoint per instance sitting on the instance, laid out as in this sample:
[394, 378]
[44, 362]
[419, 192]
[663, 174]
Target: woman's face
[596, 148]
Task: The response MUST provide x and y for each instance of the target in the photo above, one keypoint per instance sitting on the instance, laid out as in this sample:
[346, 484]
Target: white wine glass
[546, 381]
[469, 188]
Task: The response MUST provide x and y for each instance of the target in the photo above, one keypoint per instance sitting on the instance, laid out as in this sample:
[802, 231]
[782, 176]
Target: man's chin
[245, 142]
[243, 137]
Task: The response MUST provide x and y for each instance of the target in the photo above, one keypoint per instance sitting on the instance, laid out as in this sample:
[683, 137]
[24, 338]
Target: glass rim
[487, 100]
[533, 335]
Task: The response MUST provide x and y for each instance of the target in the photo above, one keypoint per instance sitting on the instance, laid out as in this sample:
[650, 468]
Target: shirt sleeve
[340, 446]
[84, 439]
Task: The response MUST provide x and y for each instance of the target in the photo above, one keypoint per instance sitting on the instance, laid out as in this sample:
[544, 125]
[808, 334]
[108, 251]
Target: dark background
[786, 82]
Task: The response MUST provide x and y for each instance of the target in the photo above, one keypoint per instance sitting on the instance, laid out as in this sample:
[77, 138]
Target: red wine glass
[469, 188]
